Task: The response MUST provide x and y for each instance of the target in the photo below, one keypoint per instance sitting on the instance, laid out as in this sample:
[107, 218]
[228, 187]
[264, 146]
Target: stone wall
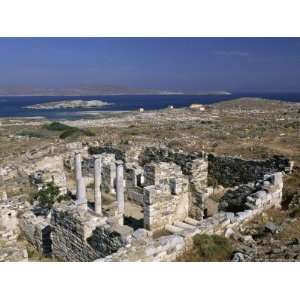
[110, 149]
[183, 159]
[58, 177]
[130, 155]
[135, 194]
[194, 165]
[158, 173]
[11, 249]
[37, 231]
[79, 235]
[132, 172]
[165, 248]
[168, 248]
[9, 225]
[166, 195]
[230, 171]
[252, 195]
[162, 207]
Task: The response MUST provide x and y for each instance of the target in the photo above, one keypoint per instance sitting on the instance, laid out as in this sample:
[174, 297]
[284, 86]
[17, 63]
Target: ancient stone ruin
[142, 204]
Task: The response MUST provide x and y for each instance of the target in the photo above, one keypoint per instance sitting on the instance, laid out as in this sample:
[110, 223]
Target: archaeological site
[133, 203]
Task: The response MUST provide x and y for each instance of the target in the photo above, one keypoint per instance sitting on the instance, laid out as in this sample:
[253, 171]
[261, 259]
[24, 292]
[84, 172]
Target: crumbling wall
[165, 248]
[48, 169]
[158, 173]
[9, 225]
[37, 231]
[168, 248]
[79, 235]
[130, 155]
[163, 154]
[230, 171]
[58, 177]
[166, 195]
[109, 149]
[134, 183]
[162, 207]
[194, 165]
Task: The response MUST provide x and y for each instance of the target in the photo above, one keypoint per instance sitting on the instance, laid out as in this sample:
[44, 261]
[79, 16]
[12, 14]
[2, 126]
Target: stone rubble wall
[132, 171]
[111, 149]
[230, 171]
[168, 248]
[194, 165]
[162, 172]
[9, 224]
[58, 177]
[79, 235]
[130, 155]
[37, 231]
[183, 159]
[167, 199]
[135, 194]
[48, 169]
[267, 195]
[162, 208]
[165, 248]
[11, 250]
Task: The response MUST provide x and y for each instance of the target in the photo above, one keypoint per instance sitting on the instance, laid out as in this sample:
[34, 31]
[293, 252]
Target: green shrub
[69, 132]
[209, 248]
[74, 131]
[56, 126]
[48, 195]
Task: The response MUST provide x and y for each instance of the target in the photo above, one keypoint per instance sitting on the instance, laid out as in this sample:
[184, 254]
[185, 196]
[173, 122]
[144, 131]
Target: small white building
[197, 106]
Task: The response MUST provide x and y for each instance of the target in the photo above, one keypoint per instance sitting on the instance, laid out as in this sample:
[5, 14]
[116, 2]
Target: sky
[202, 64]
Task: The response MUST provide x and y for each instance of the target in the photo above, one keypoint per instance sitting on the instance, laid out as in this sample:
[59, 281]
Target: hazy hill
[92, 90]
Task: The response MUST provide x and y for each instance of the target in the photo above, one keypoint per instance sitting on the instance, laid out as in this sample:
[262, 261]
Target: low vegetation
[68, 131]
[57, 126]
[209, 248]
[48, 195]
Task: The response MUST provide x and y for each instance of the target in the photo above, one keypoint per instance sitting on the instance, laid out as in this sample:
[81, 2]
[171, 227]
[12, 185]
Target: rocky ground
[274, 236]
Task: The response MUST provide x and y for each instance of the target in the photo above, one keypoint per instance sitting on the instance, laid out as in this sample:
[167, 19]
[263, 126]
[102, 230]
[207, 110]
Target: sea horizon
[15, 106]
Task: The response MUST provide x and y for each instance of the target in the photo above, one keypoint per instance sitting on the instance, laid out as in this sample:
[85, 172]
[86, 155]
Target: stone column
[81, 200]
[120, 186]
[97, 183]
[80, 184]
[78, 172]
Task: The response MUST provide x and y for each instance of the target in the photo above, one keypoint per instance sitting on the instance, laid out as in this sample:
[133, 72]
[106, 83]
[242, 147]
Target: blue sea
[15, 106]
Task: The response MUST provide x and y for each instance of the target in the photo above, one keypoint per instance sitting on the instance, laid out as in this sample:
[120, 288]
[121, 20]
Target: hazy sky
[232, 64]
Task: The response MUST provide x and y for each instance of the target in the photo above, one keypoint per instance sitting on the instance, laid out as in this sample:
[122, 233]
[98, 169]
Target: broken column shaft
[97, 183]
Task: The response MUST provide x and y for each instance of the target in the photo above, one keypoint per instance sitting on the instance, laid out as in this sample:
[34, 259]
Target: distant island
[97, 90]
[69, 104]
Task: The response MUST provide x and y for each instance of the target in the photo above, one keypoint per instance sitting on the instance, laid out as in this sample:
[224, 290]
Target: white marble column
[97, 183]
[80, 184]
[120, 186]
[78, 172]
